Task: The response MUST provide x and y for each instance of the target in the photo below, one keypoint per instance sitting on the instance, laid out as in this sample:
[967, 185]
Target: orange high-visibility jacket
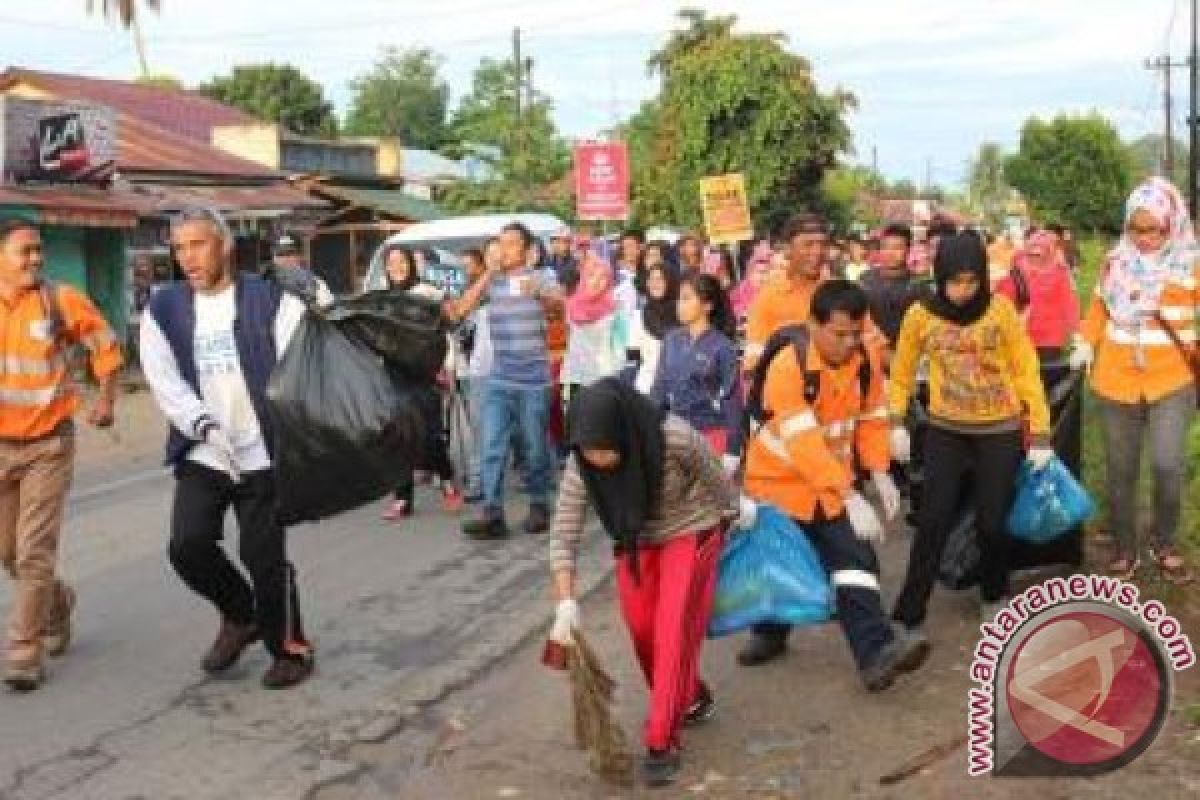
[36, 391]
[779, 304]
[804, 454]
[782, 303]
[1116, 374]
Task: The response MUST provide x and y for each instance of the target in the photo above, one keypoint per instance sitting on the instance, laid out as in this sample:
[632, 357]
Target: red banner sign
[601, 181]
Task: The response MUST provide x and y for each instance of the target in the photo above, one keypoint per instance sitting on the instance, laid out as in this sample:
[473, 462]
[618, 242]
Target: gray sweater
[695, 496]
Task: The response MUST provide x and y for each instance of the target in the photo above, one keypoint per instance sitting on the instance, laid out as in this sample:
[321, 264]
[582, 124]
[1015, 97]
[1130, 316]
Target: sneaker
[538, 520]
[23, 678]
[488, 526]
[288, 672]
[231, 641]
[702, 708]
[397, 509]
[660, 767]
[56, 637]
[762, 650]
[452, 499]
[906, 652]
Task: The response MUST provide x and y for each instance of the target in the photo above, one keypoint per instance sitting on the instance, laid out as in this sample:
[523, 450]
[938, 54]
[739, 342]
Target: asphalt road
[400, 615]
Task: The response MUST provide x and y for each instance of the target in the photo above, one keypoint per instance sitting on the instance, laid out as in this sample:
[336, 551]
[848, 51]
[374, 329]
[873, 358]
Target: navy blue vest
[257, 303]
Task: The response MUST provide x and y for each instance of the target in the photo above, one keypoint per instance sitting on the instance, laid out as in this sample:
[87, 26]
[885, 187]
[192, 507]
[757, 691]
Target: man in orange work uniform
[825, 415]
[38, 321]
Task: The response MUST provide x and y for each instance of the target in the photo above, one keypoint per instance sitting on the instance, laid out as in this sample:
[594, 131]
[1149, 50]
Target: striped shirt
[518, 328]
[695, 495]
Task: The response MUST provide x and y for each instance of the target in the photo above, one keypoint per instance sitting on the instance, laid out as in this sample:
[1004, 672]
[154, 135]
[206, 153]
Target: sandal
[1172, 567]
[1124, 566]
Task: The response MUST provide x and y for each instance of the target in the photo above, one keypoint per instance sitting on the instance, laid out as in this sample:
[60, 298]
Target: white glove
[731, 464]
[889, 495]
[863, 518]
[1082, 355]
[900, 444]
[566, 621]
[747, 514]
[216, 438]
[1039, 457]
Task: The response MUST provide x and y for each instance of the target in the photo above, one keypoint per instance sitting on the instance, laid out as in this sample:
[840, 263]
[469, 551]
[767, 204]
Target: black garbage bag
[344, 431]
[959, 568]
[960, 558]
[407, 331]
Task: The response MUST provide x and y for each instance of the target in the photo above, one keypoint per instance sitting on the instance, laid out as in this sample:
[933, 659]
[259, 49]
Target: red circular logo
[1087, 689]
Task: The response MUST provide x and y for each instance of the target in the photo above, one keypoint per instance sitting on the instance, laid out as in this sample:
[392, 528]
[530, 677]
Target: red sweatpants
[667, 614]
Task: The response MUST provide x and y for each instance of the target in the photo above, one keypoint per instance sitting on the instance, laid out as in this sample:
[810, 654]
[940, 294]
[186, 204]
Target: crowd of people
[672, 388]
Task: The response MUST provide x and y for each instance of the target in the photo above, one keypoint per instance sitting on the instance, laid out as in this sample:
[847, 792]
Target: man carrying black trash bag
[208, 346]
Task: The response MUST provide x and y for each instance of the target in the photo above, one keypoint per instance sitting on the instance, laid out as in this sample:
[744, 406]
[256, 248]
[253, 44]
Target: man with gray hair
[208, 346]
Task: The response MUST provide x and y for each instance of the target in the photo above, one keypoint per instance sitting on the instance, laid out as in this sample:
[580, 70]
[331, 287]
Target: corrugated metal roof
[391, 202]
[183, 112]
[145, 147]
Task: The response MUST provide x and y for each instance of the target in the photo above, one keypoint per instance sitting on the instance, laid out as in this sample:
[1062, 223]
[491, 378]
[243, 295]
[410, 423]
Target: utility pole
[518, 126]
[1193, 121]
[1164, 64]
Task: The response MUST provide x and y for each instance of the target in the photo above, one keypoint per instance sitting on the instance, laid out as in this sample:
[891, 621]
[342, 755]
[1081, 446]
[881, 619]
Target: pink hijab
[743, 296]
[587, 304]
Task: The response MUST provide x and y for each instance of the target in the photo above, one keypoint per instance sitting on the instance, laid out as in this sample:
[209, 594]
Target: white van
[448, 238]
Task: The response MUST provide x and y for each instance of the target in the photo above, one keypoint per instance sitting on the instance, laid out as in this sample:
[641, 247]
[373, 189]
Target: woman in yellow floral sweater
[985, 393]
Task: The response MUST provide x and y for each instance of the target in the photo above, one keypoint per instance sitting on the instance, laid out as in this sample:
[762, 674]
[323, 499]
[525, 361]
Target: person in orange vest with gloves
[1140, 324]
[824, 417]
[39, 320]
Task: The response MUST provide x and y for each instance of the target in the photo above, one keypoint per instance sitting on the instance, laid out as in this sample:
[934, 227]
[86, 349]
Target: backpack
[797, 337]
[50, 304]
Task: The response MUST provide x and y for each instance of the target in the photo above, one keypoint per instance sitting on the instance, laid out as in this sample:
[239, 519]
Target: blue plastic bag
[770, 573]
[1050, 502]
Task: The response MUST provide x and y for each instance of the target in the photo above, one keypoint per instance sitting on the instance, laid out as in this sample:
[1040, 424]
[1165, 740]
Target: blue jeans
[526, 412]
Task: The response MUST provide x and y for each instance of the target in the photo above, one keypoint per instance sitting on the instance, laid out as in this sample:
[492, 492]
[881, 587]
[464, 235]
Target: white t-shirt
[223, 392]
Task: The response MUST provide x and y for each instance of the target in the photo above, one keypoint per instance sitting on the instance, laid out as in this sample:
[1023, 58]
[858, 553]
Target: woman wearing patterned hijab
[1138, 337]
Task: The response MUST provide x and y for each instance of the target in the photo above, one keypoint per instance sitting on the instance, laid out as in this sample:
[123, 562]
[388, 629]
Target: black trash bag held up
[344, 431]
[407, 331]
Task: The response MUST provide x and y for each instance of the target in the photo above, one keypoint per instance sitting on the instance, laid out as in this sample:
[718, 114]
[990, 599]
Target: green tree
[277, 93]
[733, 103]
[1074, 170]
[1147, 155]
[126, 12]
[524, 158]
[402, 95]
[846, 192]
[987, 185]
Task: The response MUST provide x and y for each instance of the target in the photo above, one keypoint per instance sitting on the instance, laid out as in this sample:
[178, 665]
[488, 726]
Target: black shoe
[702, 708]
[538, 520]
[761, 650]
[660, 767]
[288, 672]
[489, 526]
[231, 642]
[906, 652]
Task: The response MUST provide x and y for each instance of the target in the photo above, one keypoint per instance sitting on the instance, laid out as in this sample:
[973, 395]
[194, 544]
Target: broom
[595, 729]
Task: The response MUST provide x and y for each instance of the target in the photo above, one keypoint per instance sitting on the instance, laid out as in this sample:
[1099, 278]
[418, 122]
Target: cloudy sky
[934, 78]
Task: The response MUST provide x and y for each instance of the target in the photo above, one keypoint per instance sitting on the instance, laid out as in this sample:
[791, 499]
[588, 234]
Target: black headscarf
[956, 254]
[660, 315]
[612, 415]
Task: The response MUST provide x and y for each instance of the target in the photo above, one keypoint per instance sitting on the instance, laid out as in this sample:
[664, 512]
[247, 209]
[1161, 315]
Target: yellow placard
[726, 209]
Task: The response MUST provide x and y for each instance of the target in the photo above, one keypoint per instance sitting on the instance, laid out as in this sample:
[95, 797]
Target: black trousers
[993, 460]
[435, 450]
[202, 497]
[854, 574]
